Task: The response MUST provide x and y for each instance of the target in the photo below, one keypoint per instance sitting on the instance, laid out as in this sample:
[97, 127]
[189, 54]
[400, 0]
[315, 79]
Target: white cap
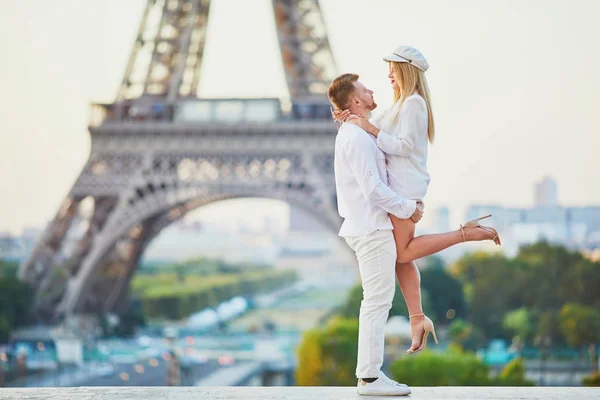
[410, 55]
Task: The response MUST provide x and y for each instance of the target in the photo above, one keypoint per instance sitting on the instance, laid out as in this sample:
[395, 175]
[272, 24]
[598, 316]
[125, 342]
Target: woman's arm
[401, 140]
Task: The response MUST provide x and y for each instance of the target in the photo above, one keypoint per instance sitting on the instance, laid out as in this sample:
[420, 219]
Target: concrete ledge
[291, 393]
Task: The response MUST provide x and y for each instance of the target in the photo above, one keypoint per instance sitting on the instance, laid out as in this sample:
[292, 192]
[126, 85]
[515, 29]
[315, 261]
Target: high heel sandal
[427, 327]
[474, 223]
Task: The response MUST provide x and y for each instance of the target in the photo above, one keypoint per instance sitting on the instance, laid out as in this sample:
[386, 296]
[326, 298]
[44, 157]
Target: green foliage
[581, 283]
[592, 380]
[455, 368]
[16, 298]
[513, 374]
[580, 325]
[551, 279]
[129, 320]
[547, 326]
[445, 292]
[5, 329]
[8, 268]
[196, 267]
[491, 283]
[519, 322]
[351, 308]
[167, 296]
[465, 335]
[310, 359]
[541, 279]
[452, 368]
[327, 357]
[503, 297]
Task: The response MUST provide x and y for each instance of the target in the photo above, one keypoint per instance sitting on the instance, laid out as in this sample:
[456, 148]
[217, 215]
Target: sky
[515, 88]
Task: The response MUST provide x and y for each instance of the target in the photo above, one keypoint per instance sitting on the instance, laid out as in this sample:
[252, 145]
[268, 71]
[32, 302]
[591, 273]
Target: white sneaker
[383, 386]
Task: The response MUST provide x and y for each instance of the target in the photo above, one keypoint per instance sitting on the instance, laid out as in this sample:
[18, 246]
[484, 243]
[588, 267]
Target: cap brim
[395, 57]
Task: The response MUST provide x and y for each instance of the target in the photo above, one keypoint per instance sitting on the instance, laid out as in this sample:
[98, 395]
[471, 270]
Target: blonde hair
[412, 80]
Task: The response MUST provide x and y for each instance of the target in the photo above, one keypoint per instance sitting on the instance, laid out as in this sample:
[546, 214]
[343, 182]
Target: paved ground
[292, 393]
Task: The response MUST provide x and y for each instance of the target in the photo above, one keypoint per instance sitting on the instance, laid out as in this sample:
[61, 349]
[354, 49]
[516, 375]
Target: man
[364, 201]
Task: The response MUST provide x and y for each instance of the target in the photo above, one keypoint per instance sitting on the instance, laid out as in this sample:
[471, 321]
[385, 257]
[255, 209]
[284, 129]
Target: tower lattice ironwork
[159, 152]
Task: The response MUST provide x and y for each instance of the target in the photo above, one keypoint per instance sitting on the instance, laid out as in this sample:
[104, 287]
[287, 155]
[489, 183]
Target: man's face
[364, 95]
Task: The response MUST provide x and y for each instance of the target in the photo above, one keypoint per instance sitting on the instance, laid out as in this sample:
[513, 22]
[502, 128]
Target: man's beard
[373, 106]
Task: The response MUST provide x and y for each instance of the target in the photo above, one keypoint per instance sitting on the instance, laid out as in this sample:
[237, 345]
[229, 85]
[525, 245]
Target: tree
[129, 321]
[465, 335]
[513, 374]
[547, 327]
[452, 368]
[327, 357]
[445, 292]
[310, 360]
[580, 325]
[16, 299]
[541, 278]
[8, 268]
[520, 323]
[592, 380]
[351, 308]
[5, 329]
[492, 285]
[581, 282]
[550, 281]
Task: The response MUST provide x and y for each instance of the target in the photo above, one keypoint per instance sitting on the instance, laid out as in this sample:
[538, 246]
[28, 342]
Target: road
[144, 374]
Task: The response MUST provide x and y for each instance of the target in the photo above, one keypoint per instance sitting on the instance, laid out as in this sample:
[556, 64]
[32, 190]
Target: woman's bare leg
[407, 273]
[409, 279]
[412, 248]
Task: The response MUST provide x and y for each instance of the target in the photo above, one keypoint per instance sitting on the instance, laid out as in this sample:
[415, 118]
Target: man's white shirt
[363, 196]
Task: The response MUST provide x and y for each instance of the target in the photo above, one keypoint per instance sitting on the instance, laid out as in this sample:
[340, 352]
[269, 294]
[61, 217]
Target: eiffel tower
[159, 152]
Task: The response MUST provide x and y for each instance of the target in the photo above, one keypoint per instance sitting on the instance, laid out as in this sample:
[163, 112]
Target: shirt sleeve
[401, 140]
[361, 156]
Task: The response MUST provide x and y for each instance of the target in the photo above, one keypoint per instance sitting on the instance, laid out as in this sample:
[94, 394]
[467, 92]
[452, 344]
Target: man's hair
[340, 90]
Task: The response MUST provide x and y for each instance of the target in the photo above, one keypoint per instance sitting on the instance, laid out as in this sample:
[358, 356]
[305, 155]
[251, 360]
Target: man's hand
[418, 214]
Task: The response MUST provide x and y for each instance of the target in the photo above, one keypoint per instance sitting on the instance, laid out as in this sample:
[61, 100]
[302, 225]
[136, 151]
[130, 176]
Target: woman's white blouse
[404, 142]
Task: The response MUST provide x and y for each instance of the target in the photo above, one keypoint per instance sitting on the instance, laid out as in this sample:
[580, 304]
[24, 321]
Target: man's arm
[361, 155]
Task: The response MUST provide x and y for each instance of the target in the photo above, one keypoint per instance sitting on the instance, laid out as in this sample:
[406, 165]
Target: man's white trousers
[376, 255]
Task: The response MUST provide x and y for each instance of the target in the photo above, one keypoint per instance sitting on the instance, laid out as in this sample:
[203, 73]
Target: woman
[403, 134]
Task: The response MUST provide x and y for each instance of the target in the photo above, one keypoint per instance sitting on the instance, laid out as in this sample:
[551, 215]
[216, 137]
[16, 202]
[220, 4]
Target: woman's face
[394, 78]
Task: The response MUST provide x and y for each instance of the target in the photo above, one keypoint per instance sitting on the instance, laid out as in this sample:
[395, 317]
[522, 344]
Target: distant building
[443, 219]
[545, 193]
[574, 227]
[18, 247]
[318, 255]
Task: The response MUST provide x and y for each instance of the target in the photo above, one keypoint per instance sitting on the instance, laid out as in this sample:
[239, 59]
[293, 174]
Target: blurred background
[169, 211]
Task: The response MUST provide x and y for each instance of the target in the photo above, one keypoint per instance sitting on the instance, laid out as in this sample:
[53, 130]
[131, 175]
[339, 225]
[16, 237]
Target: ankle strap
[416, 315]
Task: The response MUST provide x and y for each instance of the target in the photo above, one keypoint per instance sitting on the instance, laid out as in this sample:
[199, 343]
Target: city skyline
[259, 236]
[493, 118]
